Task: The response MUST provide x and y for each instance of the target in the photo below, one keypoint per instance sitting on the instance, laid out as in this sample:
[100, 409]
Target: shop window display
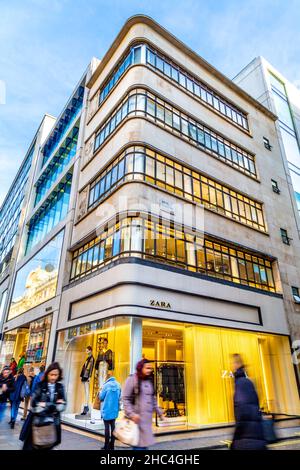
[30, 341]
[107, 344]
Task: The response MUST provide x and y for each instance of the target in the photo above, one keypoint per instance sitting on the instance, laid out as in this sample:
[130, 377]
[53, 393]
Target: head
[20, 371]
[42, 368]
[237, 362]
[144, 369]
[6, 372]
[53, 373]
[31, 372]
[89, 350]
[12, 360]
[105, 343]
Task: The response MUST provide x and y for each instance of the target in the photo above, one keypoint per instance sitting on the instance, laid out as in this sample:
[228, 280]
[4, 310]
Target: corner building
[174, 250]
[165, 129]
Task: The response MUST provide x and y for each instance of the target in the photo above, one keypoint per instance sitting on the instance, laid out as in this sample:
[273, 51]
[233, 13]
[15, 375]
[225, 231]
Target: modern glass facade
[57, 165]
[139, 163]
[288, 132]
[54, 209]
[161, 241]
[140, 102]
[36, 281]
[64, 123]
[144, 54]
[11, 210]
[192, 368]
[2, 305]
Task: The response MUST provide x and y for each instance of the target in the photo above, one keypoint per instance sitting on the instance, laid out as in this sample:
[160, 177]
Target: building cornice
[136, 19]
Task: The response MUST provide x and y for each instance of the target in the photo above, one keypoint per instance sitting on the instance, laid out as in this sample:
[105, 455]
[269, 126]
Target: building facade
[170, 247]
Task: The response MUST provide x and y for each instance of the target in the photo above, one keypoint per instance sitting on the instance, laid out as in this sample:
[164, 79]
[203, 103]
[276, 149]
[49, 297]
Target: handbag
[96, 404]
[44, 434]
[127, 432]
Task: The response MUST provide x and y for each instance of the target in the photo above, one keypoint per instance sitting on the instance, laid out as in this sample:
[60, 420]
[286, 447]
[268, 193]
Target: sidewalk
[73, 439]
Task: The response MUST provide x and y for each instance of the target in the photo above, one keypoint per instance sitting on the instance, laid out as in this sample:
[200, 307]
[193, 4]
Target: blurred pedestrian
[30, 379]
[248, 434]
[140, 402]
[13, 366]
[38, 378]
[110, 404]
[17, 396]
[42, 427]
[21, 361]
[6, 388]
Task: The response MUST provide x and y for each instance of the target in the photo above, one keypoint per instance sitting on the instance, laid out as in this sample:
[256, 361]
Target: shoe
[85, 411]
[12, 425]
[23, 419]
[93, 421]
[9, 422]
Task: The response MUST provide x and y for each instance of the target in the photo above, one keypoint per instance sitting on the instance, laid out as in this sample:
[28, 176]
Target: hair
[238, 357]
[31, 369]
[105, 339]
[89, 348]
[53, 366]
[139, 373]
[20, 371]
[42, 368]
[12, 359]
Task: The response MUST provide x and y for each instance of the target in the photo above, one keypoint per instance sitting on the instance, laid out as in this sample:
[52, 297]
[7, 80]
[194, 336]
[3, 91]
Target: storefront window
[194, 380]
[36, 281]
[30, 341]
[112, 336]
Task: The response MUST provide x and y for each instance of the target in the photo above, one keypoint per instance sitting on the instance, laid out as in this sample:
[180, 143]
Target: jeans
[109, 437]
[14, 410]
[2, 410]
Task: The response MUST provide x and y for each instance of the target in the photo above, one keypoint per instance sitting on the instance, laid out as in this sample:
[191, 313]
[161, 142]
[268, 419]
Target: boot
[12, 425]
[85, 410]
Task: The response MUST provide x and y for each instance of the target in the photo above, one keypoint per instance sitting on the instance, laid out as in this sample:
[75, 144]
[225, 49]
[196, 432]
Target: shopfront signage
[160, 304]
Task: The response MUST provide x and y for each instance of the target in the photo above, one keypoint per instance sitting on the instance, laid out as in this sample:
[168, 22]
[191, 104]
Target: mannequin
[86, 373]
[104, 362]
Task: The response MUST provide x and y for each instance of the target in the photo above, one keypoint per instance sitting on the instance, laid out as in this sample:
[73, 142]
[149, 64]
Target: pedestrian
[38, 378]
[30, 379]
[140, 402]
[21, 361]
[110, 405]
[17, 396]
[6, 388]
[248, 434]
[13, 366]
[47, 402]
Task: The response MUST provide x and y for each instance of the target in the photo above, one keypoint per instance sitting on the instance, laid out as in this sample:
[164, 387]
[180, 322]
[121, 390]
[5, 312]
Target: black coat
[10, 384]
[248, 433]
[41, 394]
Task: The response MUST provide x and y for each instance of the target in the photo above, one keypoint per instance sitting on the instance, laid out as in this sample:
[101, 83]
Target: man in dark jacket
[248, 433]
[6, 388]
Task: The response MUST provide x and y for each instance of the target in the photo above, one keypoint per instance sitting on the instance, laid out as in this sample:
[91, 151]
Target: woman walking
[16, 397]
[30, 379]
[110, 404]
[7, 385]
[48, 401]
[248, 433]
[140, 402]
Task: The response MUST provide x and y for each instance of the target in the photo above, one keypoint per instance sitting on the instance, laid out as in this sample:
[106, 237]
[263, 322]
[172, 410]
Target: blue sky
[46, 45]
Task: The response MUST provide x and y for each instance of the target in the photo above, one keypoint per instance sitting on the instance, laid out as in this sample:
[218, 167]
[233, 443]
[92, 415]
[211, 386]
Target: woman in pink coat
[140, 402]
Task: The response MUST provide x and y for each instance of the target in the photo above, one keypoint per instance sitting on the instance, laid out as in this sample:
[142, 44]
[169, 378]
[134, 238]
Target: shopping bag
[127, 432]
[96, 404]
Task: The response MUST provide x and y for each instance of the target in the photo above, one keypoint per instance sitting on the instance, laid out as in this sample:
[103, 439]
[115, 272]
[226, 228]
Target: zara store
[191, 356]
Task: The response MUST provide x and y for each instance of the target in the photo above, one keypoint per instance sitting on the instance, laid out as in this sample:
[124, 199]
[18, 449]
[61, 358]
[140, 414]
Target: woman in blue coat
[248, 433]
[110, 404]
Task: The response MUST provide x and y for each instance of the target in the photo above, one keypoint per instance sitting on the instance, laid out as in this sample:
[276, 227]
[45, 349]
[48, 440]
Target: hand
[60, 401]
[42, 404]
[136, 419]
[4, 388]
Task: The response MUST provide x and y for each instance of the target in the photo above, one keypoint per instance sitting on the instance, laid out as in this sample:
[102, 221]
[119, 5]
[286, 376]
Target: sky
[45, 46]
